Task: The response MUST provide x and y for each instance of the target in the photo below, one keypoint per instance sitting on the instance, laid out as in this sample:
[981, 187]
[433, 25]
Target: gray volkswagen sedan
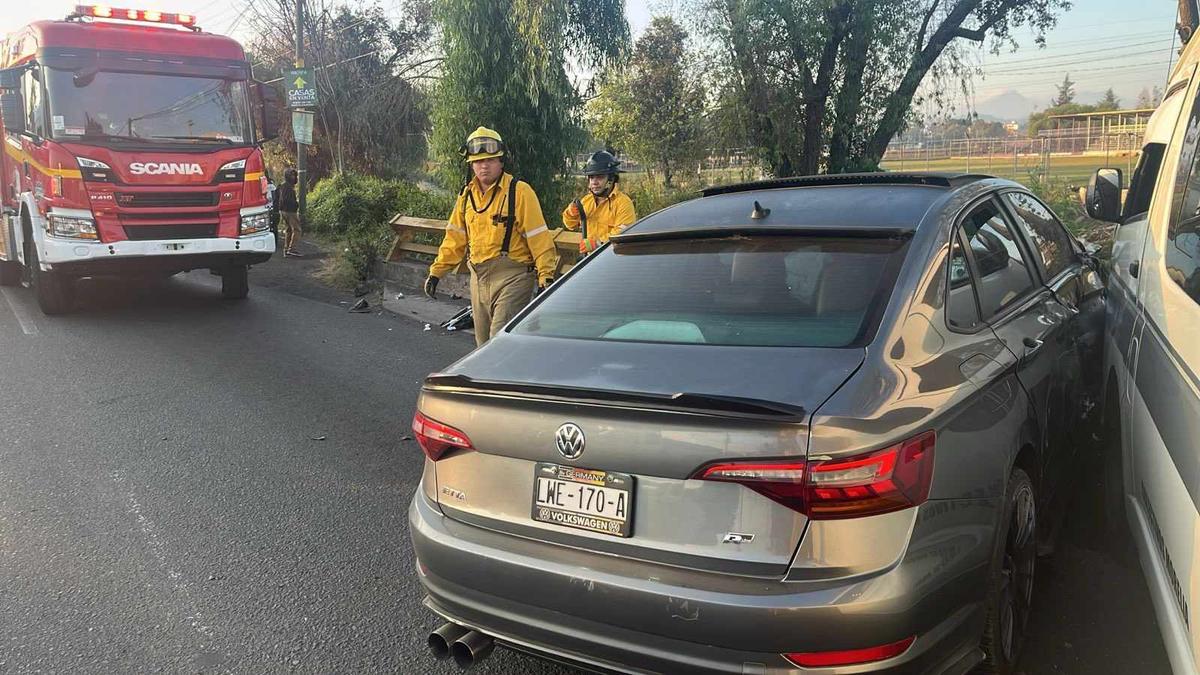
[816, 424]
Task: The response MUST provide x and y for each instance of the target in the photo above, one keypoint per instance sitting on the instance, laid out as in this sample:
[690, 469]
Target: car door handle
[1135, 268]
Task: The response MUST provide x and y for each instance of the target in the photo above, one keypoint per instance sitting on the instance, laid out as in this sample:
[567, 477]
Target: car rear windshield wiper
[210, 139]
[713, 403]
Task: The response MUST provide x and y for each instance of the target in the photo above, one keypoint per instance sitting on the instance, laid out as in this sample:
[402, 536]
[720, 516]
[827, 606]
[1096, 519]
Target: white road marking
[180, 585]
[23, 318]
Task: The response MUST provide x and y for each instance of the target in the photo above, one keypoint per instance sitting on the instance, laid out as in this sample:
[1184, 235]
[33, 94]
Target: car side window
[962, 307]
[1049, 238]
[1183, 240]
[1002, 272]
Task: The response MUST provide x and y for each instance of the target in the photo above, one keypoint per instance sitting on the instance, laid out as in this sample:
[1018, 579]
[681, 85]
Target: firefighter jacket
[605, 216]
[477, 225]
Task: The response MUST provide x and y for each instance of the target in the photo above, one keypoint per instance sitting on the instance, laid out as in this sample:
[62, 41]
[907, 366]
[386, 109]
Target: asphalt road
[190, 484]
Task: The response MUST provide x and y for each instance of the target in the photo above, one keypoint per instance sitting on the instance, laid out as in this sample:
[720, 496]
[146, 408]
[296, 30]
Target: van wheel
[10, 273]
[1010, 590]
[55, 291]
[235, 282]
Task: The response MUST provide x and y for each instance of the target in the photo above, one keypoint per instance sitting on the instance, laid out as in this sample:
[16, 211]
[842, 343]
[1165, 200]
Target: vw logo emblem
[569, 440]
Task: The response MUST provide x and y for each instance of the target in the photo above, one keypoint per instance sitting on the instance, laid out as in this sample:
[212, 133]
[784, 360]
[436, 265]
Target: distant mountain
[1010, 105]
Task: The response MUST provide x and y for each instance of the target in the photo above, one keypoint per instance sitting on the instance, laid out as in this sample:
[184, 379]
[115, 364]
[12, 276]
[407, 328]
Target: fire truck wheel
[235, 284]
[55, 292]
[10, 273]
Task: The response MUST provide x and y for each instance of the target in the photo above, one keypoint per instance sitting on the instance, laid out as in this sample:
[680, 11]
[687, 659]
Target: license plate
[175, 247]
[598, 501]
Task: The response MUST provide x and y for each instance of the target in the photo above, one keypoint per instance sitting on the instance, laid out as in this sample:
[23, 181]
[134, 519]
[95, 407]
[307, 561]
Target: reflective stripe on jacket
[531, 243]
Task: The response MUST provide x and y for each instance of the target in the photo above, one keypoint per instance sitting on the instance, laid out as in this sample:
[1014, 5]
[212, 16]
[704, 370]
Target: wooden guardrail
[417, 240]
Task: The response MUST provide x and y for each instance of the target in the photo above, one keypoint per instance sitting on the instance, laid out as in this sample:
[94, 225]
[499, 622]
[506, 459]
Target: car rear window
[778, 291]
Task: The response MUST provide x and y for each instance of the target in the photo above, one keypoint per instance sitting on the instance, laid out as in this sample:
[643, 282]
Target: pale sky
[1102, 43]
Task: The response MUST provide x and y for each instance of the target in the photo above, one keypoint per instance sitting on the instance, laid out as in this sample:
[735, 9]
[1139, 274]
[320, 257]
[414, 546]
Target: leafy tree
[1148, 98]
[371, 116]
[828, 83]
[654, 108]
[1066, 92]
[1109, 102]
[1042, 119]
[505, 68]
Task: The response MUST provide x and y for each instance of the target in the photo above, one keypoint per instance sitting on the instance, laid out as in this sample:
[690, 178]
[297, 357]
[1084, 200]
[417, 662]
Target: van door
[1164, 410]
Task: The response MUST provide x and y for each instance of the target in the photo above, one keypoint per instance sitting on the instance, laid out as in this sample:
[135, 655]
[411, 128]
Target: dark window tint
[1002, 274]
[962, 310]
[761, 291]
[1049, 238]
[1145, 176]
[1183, 243]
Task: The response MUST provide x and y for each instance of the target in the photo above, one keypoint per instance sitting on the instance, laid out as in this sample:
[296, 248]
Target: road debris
[361, 307]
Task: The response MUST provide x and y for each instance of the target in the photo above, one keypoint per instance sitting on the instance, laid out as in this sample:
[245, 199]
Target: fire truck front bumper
[86, 258]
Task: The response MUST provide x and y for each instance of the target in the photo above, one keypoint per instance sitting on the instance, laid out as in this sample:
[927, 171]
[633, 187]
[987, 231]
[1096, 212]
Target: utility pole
[301, 172]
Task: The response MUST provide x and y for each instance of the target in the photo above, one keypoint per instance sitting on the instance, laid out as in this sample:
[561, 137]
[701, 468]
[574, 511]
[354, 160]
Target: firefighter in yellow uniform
[498, 219]
[604, 210]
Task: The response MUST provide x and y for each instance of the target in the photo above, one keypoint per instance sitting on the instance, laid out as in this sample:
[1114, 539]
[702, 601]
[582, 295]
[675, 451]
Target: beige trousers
[500, 288]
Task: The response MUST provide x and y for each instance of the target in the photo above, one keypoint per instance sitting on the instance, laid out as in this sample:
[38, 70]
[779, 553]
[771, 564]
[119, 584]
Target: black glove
[431, 283]
[544, 284]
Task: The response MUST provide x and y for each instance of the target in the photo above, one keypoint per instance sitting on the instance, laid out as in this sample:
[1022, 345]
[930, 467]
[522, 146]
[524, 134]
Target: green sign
[301, 87]
[302, 126]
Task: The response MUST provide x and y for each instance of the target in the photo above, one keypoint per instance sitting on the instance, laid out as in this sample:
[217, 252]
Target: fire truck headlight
[72, 227]
[256, 222]
[94, 170]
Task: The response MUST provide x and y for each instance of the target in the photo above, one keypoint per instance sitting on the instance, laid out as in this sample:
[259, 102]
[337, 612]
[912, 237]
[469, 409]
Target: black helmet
[602, 163]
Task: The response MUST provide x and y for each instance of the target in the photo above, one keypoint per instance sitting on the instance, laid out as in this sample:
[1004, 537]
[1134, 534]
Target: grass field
[1074, 169]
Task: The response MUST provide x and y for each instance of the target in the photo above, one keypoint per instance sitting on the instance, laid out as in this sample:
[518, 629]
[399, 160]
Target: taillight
[781, 481]
[436, 439]
[895, 478]
[849, 657]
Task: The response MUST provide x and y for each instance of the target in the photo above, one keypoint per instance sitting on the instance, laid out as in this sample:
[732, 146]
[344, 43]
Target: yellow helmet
[482, 144]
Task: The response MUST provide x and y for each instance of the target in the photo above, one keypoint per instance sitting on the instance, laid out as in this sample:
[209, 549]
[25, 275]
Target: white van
[1152, 357]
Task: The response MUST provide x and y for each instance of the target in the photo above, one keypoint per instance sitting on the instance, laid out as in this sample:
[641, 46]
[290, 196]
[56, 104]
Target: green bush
[355, 209]
[342, 201]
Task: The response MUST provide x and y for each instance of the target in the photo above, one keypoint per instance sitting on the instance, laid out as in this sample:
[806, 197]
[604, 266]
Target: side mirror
[10, 79]
[12, 111]
[270, 103]
[1103, 200]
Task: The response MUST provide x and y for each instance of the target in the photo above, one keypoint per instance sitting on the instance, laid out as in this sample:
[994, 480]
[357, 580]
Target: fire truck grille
[179, 231]
[166, 199]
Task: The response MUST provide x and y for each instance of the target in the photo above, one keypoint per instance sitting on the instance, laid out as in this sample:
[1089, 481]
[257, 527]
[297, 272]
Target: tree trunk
[816, 91]
[666, 171]
[900, 100]
[849, 101]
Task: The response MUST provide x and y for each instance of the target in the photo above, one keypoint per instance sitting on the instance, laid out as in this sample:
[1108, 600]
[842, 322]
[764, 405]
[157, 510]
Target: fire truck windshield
[153, 108]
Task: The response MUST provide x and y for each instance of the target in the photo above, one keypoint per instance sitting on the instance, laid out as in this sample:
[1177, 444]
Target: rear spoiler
[710, 404]
[701, 232]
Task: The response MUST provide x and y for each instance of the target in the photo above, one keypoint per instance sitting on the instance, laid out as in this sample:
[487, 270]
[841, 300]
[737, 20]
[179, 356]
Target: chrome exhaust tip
[471, 649]
[441, 639]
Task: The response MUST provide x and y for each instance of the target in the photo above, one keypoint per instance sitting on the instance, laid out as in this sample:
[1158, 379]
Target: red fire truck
[131, 148]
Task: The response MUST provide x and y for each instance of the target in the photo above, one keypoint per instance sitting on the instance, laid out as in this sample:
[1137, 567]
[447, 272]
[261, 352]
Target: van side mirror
[1103, 200]
[269, 103]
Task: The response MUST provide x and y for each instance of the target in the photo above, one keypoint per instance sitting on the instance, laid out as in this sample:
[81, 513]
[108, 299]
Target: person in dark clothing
[289, 209]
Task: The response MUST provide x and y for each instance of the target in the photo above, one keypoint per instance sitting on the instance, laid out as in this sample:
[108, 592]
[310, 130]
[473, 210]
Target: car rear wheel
[1010, 591]
[235, 282]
